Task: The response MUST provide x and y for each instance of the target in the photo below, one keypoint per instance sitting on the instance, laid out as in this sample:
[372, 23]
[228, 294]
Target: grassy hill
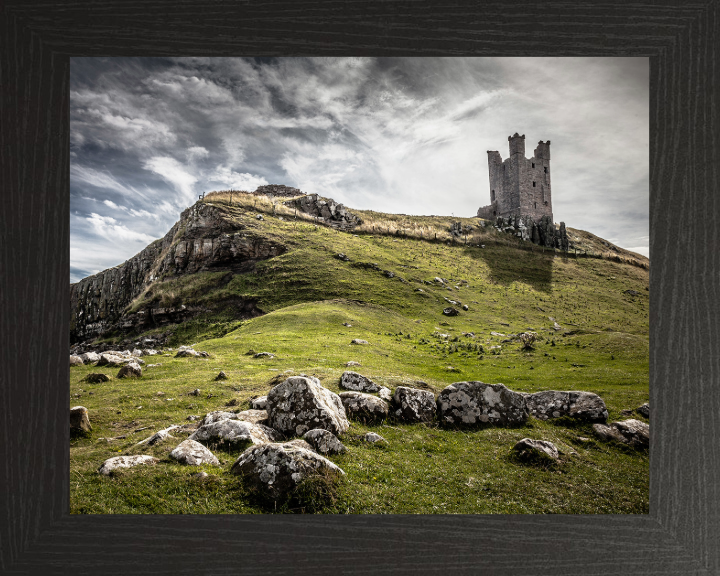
[386, 289]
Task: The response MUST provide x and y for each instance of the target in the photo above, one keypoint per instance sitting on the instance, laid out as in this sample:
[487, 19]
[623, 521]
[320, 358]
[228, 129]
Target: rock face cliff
[203, 239]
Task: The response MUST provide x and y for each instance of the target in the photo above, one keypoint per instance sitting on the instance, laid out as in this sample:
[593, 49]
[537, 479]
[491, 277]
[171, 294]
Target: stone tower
[519, 186]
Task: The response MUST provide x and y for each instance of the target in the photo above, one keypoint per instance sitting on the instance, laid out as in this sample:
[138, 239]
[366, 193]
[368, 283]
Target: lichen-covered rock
[187, 353]
[300, 404]
[450, 311]
[413, 405]
[110, 360]
[584, 406]
[358, 341]
[364, 407]
[158, 437]
[324, 442]
[90, 357]
[76, 360]
[253, 416]
[385, 394]
[528, 449]
[644, 410]
[193, 453]
[216, 416]
[236, 432]
[96, 378]
[259, 403]
[353, 381]
[632, 432]
[276, 469]
[373, 438]
[112, 464]
[131, 370]
[476, 404]
[79, 420]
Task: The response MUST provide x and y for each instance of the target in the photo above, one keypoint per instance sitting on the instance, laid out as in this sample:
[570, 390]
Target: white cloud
[174, 173]
[109, 228]
[235, 180]
[98, 179]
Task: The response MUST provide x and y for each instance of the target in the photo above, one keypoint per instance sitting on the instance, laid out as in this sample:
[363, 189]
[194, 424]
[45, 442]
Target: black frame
[681, 533]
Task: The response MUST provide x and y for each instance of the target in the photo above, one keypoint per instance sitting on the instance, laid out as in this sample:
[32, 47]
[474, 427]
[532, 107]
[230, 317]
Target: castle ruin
[519, 187]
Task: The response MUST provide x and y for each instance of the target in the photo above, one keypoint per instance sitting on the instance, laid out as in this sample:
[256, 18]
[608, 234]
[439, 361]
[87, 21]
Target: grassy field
[387, 292]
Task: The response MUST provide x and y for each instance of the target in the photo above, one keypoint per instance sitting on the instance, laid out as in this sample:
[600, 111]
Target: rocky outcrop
[277, 190]
[413, 405]
[326, 209]
[353, 381]
[478, 404]
[632, 432]
[541, 232]
[203, 239]
[324, 442]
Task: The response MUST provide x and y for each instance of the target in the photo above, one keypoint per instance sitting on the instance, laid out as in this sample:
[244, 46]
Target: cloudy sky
[406, 135]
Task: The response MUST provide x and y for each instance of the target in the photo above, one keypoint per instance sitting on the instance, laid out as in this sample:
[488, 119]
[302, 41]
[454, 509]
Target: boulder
[131, 370]
[90, 357]
[477, 404]
[364, 407]
[354, 381]
[110, 360]
[212, 417]
[79, 420]
[450, 311]
[112, 464]
[644, 410]
[259, 403]
[96, 378]
[373, 438]
[358, 341]
[385, 394]
[76, 360]
[193, 453]
[221, 376]
[413, 405]
[136, 352]
[277, 469]
[189, 352]
[527, 449]
[324, 442]
[632, 432]
[252, 416]
[236, 432]
[300, 404]
[584, 406]
[158, 437]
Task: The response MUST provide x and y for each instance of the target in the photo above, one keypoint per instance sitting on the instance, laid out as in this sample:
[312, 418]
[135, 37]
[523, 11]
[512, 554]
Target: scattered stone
[110, 360]
[259, 217]
[300, 404]
[158, 437]
[354, 381]
[632, 292]
[385, 394]
[76, 360]
[216, 416]
[112, 464]
[527, 449]
[200, 475]
[130, 370]
[221, 376]
[584, 406]
[644, 410]
[235, 432]
[477, 403]
[253, 416]
[373, 438]
[193, 453]
[465, 307]
[364, 407]
[324, 442]
[233, 402]
[342, 257]
[259, 403]
[556, 327]
[277, 469]
[79, 420]
[450, 311]
[413, 405]
[632, 432]
[352, 363]
[96, 378]
[263, 355]
[195, 392]
[358, 341]
[187, 353]
[347, 325]
[192, 418]
[90, 357]
[136, 352]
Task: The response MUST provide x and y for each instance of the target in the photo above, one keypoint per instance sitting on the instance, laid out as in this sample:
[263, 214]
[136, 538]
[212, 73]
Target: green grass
[307, 294]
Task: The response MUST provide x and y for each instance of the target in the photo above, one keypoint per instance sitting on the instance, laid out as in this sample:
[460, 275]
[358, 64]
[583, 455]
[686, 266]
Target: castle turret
[542, 152]
[517, 144]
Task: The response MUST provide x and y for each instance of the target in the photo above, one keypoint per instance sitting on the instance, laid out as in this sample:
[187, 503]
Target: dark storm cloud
[396, 134]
